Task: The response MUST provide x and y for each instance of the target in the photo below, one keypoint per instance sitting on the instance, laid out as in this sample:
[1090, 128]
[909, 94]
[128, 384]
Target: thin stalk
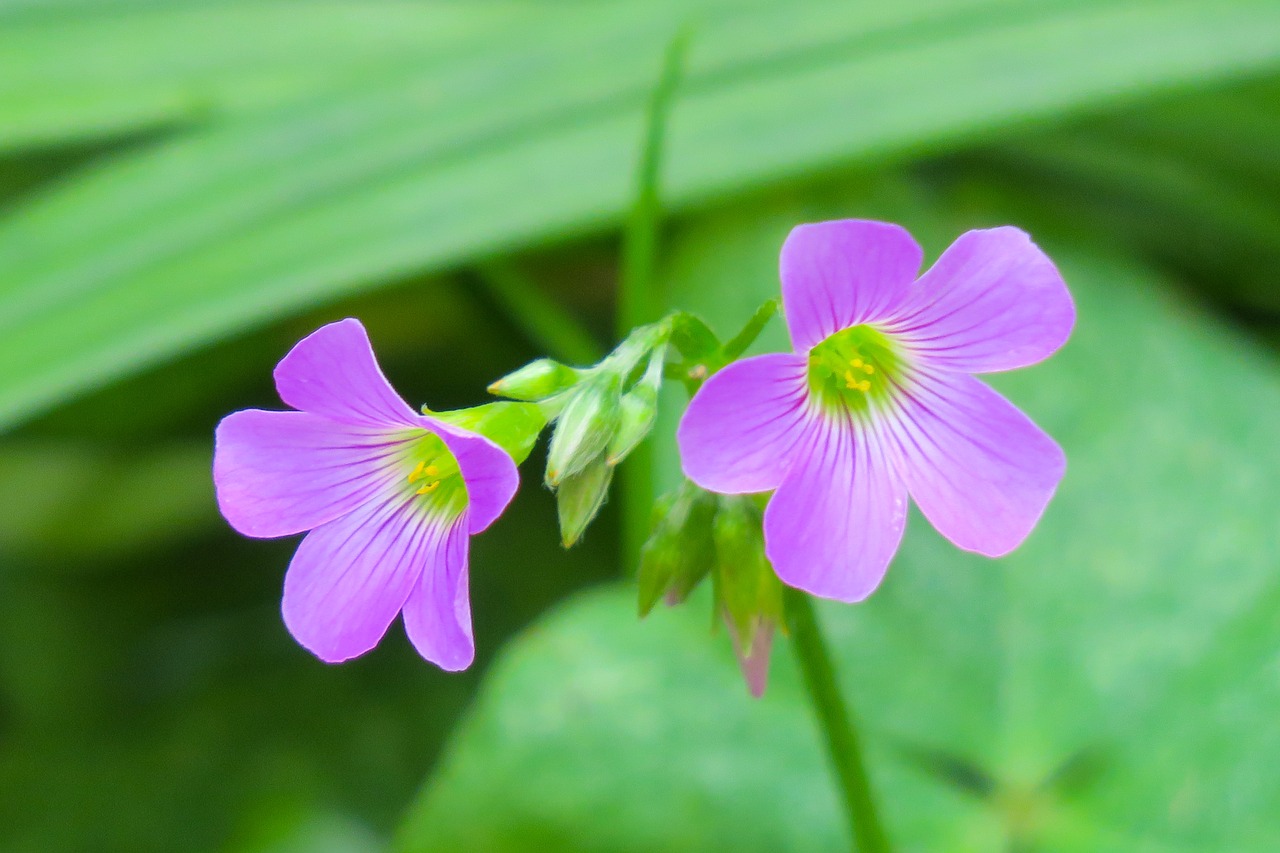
[638, 299]
[838, 730]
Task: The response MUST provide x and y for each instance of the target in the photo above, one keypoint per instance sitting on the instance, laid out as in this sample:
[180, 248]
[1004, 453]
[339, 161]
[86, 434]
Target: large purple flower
[877, 401]
[390, 496]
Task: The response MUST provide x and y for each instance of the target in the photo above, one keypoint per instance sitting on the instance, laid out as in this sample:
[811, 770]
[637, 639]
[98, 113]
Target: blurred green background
[186, 188]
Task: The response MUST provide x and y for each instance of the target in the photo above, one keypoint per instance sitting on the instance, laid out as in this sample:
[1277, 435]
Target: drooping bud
[748, 593]
[580, 496]
[679, 552]
[537, 380]
[585, 427]
[639, 408]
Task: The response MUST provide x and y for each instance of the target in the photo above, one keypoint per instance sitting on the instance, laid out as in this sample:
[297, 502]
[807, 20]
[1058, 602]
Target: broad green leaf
[532, 137]
[1114, 678]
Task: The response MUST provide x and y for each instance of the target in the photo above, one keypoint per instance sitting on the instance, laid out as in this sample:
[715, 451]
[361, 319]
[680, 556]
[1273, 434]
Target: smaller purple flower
[390, 497]
[878, 402]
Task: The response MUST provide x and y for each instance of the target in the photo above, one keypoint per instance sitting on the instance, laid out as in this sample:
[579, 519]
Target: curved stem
[839, 732]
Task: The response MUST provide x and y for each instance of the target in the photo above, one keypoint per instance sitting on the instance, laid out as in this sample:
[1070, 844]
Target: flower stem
[839, 732]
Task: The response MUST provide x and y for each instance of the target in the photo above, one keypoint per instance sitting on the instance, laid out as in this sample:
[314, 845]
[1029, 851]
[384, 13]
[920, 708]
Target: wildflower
[390, 498]
[877, 401]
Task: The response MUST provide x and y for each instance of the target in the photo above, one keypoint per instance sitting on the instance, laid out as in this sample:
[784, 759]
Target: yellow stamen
[868, 370]
[864, 385]
[432, 471]
[857, 362]
[416, 473]
[849, 381]
[428, 488]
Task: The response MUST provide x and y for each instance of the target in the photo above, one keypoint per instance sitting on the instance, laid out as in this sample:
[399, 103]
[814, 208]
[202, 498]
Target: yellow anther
[432, 471]
[416, 473]
[864, 385]
[849, 381]
[857, 362]
[868, 370]
[428, 488]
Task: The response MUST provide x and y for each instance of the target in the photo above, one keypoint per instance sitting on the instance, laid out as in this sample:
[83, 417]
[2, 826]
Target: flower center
[854, 369]
[433, 475]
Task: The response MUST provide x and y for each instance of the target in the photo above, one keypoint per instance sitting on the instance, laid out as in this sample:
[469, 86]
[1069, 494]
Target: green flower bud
[585, 427]
[537, 380]
[679, 552]
[638, 410]
[580, 496]
[747, 590]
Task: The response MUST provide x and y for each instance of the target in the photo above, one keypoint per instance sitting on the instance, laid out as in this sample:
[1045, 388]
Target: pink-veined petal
[490, 474]
[841, 273]
[280, 473]
[837, 519]
[741, 427]
[993, 301]
[333, 372]
[979, 469]
[437, 616]
[350, 577]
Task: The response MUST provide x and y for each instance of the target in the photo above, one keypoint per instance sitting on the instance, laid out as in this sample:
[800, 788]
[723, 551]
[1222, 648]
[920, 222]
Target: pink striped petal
[740, 429]
[437, 615]
[841, 273]
[333, 372]
[280, 473]
[993, 301]
[489, 473]
[837, 519]
[978, 468]
[350, 577]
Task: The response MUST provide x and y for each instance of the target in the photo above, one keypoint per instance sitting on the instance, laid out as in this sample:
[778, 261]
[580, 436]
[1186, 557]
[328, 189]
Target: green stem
[839, 732]
[638, 299]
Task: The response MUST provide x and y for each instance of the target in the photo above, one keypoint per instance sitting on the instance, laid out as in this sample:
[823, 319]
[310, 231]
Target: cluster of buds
[697, 534]
[600, 414]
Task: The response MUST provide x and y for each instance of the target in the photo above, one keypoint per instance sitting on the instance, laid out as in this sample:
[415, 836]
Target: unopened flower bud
[585, 427]
[537, 380]
[638, 410]
[580, 496]
[748, 593]
[679, 552]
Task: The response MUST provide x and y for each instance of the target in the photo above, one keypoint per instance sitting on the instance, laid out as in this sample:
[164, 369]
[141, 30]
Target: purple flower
[877, 401]
[390, 496]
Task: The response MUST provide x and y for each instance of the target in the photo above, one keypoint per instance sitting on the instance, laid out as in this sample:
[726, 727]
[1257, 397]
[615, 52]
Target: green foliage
[523, 131]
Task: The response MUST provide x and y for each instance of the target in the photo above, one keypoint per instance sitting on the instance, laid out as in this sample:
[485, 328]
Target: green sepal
[537, 380]
[692, 337]
[580, 496]
[679, 552]
[639, 408]
[514, 427]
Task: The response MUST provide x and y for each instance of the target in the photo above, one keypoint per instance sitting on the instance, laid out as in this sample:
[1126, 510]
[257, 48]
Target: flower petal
[979, 469]
[280, 473]
[350, 577]
[741, 426]
[837, 519]
[490, 474]
[437, 615]
[333, 372]
[993, 301]
[841, 273]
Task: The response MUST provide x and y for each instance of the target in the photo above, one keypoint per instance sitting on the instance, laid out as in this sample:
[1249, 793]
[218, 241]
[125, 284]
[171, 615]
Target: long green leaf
[159, 251]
